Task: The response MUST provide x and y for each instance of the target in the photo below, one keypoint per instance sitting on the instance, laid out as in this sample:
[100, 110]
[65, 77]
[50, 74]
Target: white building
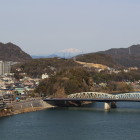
[45, 76]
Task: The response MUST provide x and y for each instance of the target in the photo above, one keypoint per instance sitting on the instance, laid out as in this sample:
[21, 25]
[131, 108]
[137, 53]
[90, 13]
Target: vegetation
[128, 57]
[75, 80]
[104, 76]
[98, 59]
[36, 67]
[115, 58]
[66, 82]
[67, 76]
[118, 87]
[11, 52]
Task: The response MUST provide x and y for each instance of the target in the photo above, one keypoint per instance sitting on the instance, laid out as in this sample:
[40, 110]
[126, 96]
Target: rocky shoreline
[24, 107]
[34, 105]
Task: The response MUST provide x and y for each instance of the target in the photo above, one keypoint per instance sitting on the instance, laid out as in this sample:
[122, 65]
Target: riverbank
[24, 106]
[34, 105]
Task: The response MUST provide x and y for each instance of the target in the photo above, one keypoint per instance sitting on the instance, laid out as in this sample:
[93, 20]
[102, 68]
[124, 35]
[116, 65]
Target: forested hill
[37, 67]
[11, 52]
[115, 57]
[132, 50]
[98, 59]
[129, 57]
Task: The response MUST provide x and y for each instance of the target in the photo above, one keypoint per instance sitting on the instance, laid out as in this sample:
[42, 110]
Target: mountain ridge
[128, 57]
[12, 52]
[120, 57]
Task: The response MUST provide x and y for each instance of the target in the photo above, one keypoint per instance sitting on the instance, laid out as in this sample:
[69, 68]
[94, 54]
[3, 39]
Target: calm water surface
[86, 123]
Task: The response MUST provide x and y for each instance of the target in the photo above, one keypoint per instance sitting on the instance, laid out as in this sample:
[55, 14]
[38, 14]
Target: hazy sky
[47, 26]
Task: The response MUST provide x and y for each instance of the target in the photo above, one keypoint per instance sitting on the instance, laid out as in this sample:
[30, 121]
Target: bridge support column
[107, 106]
[113, 105]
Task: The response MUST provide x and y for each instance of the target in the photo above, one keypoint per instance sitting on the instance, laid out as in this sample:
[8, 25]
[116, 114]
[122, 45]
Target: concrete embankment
[24, 106]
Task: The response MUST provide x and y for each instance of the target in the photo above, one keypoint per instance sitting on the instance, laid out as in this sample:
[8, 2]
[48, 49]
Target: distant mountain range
[127, 57]
[115, 57]
[11, 52]
[57, 54]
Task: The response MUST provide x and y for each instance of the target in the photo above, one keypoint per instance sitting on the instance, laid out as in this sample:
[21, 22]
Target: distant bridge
[109, 99]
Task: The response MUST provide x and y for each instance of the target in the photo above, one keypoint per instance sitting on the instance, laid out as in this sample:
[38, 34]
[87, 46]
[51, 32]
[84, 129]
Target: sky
[43, 27]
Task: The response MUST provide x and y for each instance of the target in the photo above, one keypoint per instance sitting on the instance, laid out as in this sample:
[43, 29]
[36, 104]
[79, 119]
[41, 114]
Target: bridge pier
[113, 105]
[107, 106]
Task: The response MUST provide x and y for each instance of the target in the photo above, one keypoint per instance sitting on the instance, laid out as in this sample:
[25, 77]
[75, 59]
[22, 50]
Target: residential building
[5, 67]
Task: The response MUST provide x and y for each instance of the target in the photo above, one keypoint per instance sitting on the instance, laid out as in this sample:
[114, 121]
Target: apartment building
[5, 67]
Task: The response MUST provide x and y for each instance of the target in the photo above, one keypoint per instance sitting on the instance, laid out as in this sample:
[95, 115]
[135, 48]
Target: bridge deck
[93, 100]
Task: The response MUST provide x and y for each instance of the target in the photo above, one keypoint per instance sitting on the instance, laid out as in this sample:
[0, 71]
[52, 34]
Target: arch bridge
[108, 99]
[105, 96]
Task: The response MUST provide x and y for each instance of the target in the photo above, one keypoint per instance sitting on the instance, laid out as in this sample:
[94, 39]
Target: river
[74, 123]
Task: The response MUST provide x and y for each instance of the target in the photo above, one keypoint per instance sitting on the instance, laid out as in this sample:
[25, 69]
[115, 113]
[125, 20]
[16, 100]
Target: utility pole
[64, 55]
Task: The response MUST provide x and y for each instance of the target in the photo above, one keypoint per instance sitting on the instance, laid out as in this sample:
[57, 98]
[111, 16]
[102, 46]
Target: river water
[75, 123]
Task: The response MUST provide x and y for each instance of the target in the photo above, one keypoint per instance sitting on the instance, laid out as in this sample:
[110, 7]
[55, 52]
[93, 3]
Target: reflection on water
[75, 123]
[99, 106]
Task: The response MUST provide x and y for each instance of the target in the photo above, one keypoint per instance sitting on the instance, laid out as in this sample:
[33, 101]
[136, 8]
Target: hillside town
[13, 89]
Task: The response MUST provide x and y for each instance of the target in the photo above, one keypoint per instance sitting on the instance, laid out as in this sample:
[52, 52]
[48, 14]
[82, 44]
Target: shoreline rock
[24, 107]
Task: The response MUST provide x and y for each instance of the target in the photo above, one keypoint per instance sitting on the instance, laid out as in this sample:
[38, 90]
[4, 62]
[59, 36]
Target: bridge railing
[99, 95]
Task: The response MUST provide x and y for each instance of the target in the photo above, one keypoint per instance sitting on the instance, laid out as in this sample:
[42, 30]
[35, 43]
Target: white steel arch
[100, 95]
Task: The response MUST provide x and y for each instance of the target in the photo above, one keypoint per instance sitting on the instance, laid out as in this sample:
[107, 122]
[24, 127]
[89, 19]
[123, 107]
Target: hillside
[97, 58]
[76, 80]
[92, 65]
[66, 82]
[115, 57]
[11, 52]
[37, 67]
[128, 57]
